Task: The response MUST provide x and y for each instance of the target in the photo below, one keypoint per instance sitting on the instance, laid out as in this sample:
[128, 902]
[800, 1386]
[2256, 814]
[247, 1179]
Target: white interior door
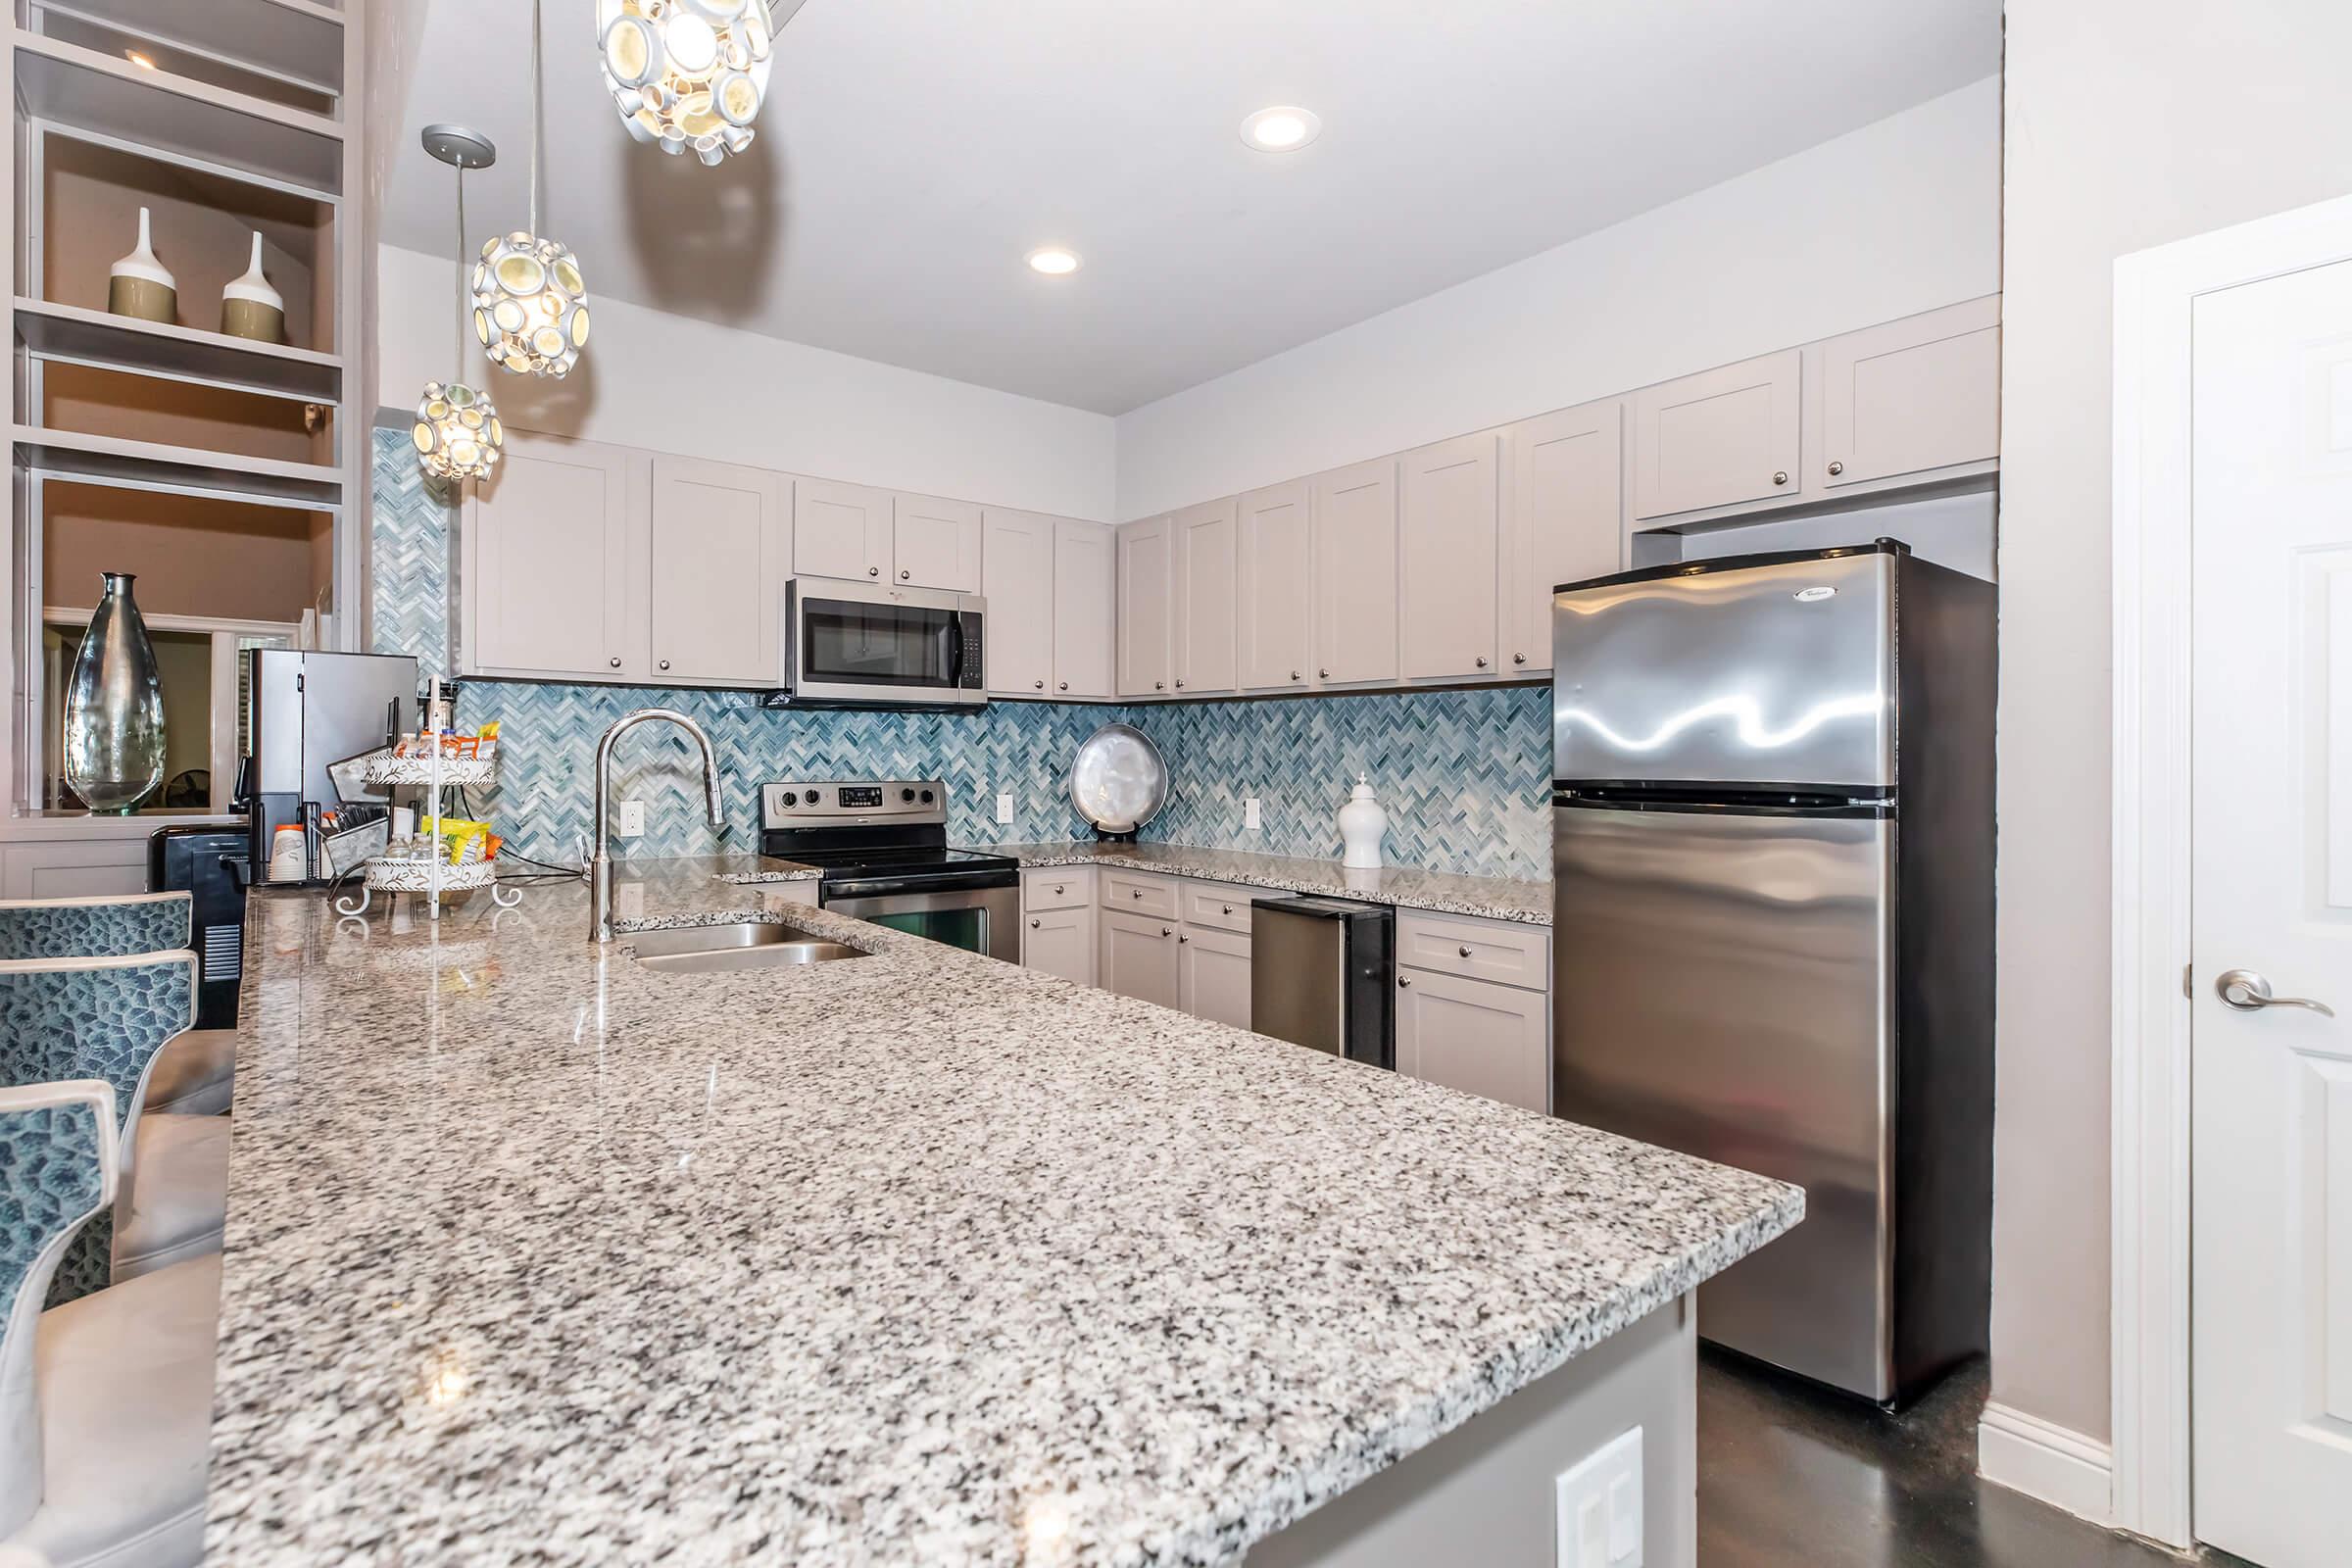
[2272, 869]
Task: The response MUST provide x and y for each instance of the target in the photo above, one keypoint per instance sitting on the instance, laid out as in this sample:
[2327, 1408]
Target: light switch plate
[1250, 817]
[632, 819]
[1600, 1506]
[1004, 806]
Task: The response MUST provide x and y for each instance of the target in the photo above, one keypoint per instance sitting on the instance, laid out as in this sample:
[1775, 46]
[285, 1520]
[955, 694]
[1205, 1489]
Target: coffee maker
[309, 712]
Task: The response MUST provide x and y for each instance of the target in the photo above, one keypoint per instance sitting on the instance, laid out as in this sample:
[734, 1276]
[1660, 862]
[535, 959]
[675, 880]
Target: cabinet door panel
[1563, 523]
[1204, 610]
[555, 548]
[1214, 975]
[1147, 563]
[1018, 579]
[839, 530]
[1275, 578]
[1139, 957]
[1718, 438]
[1450, 529]
[936, 544]
[1912, 395]
[717, 573]
[1083, 596]
[1465, 1034]
[1356, 574]
[1061, 942]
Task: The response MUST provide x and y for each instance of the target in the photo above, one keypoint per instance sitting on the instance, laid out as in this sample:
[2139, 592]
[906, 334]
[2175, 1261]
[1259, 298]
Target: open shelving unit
[177, 450]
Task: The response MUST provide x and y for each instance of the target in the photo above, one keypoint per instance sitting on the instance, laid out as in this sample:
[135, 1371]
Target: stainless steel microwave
[866, 645]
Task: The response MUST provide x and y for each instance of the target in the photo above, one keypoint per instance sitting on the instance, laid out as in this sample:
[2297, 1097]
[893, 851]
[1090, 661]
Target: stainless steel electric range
[883, 847]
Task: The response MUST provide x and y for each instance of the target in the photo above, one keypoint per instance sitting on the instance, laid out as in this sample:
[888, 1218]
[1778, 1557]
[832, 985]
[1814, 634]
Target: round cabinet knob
[615, 663]
[1781, 478]
[1139, 893]
[1160, 685]
[666, 663]
[1167, 931]
[1064, 685]
[1040, 685]
[1464, 952]
[1295, 675]
[904, 576]
[1518, 658]
[1404, 979]
[1323, 673]
[1059, 890]
[1227, 909]
[1482, 661]
[873, 571]
[1034, 924]
[1180, 941]
[1179, 685]
[1836, 469]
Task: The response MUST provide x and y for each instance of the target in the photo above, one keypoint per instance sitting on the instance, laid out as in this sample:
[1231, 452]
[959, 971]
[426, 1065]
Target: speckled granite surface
[535, 1256]
[1493, 898]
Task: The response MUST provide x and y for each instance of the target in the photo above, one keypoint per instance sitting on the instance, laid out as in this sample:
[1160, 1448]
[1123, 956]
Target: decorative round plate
[1120, 781]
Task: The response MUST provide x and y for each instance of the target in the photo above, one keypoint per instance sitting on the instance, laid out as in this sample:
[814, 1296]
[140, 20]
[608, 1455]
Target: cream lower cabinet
[1061, 942]
[1139, 957]
[1214, 974]
[1474, 1035]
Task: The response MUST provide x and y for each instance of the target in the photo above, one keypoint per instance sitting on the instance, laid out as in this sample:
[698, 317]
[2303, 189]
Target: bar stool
[196, 1072]
[109, 1018]
[105, 1404]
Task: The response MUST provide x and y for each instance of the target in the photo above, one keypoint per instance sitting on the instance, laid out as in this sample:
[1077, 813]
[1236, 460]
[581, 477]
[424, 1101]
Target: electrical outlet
[632, 819]
[1249, 816]
[1004, 805]
[1599, 1507]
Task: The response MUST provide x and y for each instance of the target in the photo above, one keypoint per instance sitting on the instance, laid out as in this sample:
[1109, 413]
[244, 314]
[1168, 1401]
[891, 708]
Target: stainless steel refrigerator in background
[1772, 849]
[309, 712]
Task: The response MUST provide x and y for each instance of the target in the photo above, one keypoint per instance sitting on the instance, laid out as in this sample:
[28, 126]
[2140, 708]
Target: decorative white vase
[1362, 825]
[250, 308]
[142, 286]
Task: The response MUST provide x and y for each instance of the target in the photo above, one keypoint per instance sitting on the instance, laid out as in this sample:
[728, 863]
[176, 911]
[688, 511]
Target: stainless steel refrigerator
[1772, 851]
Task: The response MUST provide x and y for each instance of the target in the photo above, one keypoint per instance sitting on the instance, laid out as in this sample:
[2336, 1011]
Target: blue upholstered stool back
[94, 928]
[57, 1170]
[103, 1018]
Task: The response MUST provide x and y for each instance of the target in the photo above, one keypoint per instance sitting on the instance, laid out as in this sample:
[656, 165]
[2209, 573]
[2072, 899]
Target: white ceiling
[912, 152]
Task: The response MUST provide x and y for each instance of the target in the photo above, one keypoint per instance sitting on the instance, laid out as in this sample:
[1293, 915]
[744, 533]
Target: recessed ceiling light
[1053, 261]
[1281, 130]
[139, 60]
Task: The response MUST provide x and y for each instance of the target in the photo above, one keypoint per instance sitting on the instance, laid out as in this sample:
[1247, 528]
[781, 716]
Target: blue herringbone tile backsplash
[1464, 773]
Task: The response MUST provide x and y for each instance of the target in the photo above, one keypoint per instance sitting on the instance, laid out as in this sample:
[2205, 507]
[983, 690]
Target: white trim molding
[2155, 299]
[2047, 1462]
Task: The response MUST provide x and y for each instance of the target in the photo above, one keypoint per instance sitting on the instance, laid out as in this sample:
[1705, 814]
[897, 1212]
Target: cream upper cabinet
[1084, 568]
[1146, 602]
[1449, 541]
[1920, 393]
[935, 544]
[717, 572]
[1719, 438]
[552, 563]
[1354, 554]
[1018, 579]
[1276, 581]
[1563, 522]
[840, 530]
[1471, 1035]
[1201, 614]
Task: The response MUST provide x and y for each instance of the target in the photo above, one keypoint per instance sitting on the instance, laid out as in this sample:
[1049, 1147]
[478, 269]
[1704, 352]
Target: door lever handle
[2249, 992]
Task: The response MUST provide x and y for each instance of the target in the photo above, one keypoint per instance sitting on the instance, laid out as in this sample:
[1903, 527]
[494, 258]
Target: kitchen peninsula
[537, 1255]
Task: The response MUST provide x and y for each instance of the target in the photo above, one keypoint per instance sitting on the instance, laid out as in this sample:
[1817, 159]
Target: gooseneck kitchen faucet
[599, 870]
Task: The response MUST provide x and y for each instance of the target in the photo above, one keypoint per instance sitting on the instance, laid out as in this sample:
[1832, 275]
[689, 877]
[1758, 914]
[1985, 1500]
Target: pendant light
[530, 308]
[458, 434]
[687, 73]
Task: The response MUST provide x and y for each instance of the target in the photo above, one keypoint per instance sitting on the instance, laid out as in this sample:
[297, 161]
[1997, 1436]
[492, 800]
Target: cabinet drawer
[1506, 954]
[1130, 894]
[1219, 907]
[1058, 887]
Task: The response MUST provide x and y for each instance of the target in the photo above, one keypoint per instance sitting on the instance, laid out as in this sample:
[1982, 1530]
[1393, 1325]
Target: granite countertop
[1491, 897]
[536, 1255]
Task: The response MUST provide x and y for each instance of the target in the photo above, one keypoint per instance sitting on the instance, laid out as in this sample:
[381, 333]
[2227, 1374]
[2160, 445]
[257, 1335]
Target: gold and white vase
[140, 286]
[250, 308]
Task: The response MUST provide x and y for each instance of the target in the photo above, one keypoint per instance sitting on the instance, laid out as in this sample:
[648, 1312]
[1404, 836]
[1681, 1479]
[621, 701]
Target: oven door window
[845, 643]
[957, 928]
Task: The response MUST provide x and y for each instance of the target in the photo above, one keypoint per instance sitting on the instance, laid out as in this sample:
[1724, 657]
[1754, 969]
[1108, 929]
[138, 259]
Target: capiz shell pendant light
[457, 433]
[687, 73]
[530, 308]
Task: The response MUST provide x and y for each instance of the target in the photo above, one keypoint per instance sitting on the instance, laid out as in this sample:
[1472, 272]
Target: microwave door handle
[955, 648]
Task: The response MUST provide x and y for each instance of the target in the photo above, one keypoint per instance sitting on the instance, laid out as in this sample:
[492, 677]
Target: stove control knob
[926, 796]
[906, 794]
[788, 797]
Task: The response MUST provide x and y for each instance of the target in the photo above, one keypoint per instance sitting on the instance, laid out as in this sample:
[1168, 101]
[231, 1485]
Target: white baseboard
[2047, 1462]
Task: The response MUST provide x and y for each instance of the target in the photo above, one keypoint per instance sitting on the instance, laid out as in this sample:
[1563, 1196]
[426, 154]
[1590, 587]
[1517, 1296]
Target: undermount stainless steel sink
[748, 945]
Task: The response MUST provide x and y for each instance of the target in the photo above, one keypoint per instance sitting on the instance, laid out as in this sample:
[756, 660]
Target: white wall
[2130, 124]
[1896, 218]
[674, 385]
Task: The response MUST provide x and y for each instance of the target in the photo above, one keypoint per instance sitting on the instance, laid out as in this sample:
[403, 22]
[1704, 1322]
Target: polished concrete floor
[1793, 1477]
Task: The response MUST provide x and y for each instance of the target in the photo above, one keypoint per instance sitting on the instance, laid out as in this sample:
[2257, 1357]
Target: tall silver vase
[114, 718]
